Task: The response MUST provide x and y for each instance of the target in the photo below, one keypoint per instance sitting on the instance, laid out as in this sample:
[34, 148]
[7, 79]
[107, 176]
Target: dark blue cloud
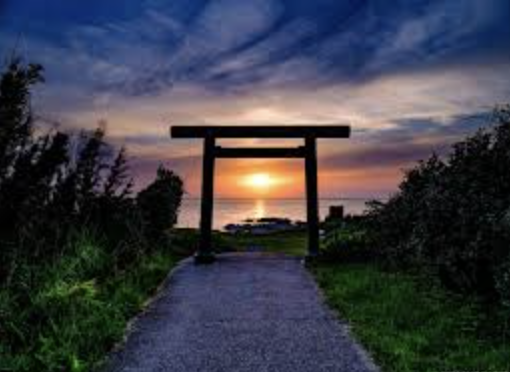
[227, 44]
[366, 39]
[60, 15]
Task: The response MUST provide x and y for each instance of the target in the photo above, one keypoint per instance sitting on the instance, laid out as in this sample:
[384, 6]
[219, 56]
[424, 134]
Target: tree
[159, 203]
[452, 215]
[15, 112]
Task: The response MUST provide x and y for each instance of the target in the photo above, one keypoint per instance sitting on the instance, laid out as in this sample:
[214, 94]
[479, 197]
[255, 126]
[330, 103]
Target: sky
[410, 76]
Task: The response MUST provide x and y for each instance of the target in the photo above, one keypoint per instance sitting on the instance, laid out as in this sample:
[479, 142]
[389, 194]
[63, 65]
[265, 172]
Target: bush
[347, 241]
[159, 203]
[451, 215]
[78, 252]
[53, 183]
[503, 283]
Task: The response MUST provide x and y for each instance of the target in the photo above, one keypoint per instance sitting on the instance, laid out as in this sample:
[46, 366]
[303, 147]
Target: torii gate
[309, 133]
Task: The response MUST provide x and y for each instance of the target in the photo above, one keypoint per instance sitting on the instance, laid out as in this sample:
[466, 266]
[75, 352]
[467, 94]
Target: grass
[292, 242]
[77, 310]
[409, 324]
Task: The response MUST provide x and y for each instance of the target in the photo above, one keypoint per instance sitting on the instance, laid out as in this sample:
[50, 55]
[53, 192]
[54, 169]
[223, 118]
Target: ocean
[236, 210]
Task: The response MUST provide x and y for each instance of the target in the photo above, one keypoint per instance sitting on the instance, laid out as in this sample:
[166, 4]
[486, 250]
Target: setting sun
[259, 181]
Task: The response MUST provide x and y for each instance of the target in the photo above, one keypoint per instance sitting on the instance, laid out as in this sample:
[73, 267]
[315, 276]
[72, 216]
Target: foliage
[78, 252]
[52, 183]
[15, 112]
[410, 323]
[452, 215]
[347, 240]
[159, 203]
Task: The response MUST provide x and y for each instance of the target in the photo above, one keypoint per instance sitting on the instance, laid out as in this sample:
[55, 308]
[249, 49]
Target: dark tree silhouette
[160, 202]
[56, 184]
[452, 215]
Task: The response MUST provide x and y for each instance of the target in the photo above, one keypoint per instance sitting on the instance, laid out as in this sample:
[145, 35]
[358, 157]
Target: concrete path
[249, 312]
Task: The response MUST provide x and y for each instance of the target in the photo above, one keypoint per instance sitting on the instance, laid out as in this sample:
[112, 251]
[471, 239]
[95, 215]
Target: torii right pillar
[312, 197]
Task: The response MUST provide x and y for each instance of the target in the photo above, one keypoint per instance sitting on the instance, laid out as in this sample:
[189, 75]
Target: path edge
[109, 358]
[343, 324]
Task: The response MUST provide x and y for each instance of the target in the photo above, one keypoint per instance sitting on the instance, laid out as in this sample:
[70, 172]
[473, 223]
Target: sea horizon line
[194, 198]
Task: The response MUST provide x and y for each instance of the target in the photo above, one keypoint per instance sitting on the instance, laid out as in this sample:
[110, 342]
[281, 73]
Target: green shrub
[347, 241]
[503, 283]
[78, 255]
[51, 183]
[159, 203]
[451, 215]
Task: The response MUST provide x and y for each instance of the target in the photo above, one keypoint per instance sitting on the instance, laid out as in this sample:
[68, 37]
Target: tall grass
[66, 316]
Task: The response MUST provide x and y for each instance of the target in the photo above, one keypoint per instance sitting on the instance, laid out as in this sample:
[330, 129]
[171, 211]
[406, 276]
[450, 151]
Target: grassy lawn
[293, 243]
[408, 324]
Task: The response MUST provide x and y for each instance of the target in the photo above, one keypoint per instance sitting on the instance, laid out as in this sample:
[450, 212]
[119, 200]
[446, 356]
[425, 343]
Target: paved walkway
[247, 312]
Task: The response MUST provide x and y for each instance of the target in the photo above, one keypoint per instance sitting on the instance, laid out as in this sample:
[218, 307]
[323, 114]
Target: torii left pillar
[312, 196]
[205, 253]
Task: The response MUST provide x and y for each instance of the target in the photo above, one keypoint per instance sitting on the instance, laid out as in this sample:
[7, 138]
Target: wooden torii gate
[309, 133]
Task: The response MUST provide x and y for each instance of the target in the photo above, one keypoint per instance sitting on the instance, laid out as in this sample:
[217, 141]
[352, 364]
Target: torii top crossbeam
[309, 133]
[273, 131]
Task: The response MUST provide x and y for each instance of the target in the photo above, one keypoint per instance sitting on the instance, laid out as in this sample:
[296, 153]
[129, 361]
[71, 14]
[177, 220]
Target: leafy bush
[347, 241]
[503, 283]
[78, 252]
[159, 203]
[451, 214]
[53, 183]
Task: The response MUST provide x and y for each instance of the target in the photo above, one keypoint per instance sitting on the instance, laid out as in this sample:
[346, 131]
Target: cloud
[410, 141]
[229, 45]
[441, 32]
[411, 105]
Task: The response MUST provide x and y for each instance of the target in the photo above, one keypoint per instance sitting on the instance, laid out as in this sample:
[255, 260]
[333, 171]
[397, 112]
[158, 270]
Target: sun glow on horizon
[259, 181]
[262, 183]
